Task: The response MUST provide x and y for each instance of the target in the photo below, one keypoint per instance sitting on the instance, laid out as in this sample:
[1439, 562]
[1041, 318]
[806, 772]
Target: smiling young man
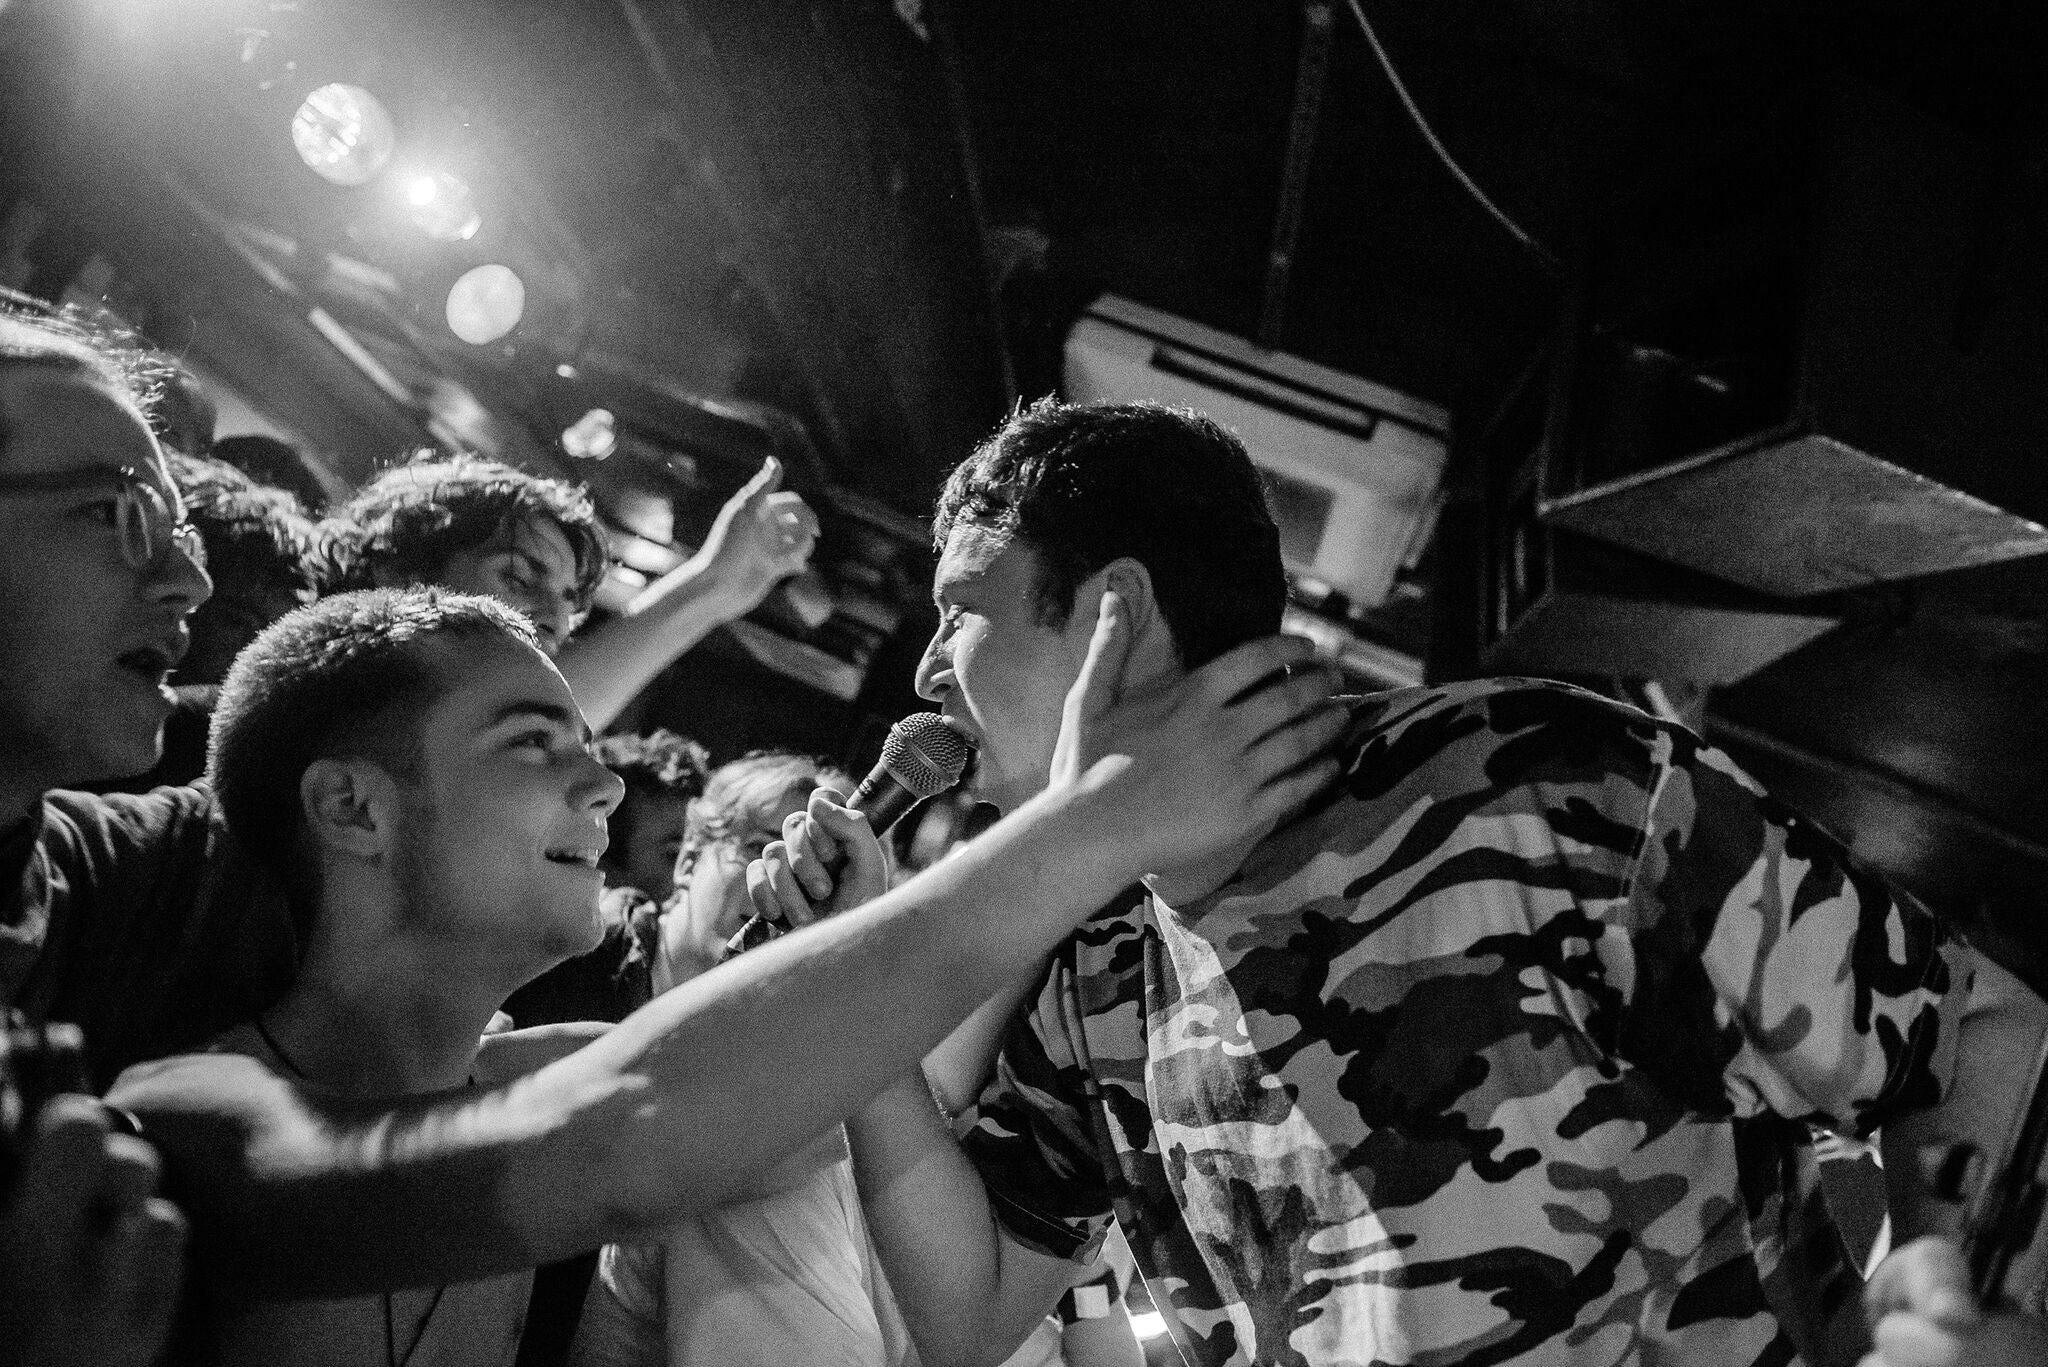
[418, 774]
[1506, 1053]
[663, 772]
[476, 526]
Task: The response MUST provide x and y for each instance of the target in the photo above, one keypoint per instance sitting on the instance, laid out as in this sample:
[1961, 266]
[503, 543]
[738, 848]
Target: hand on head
[1203, 762]
[90, 1256]
[1197, 765]
[1922, 1314]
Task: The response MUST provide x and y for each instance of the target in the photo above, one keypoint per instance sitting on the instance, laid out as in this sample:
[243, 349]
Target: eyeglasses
[145, 522]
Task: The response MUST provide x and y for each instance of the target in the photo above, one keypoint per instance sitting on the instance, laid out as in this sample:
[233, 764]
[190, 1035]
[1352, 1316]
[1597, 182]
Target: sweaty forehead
[58, 418]
[971, 550]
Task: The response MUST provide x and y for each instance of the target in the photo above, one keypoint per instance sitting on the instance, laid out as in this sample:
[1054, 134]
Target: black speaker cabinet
[1817, 361]
[1555, 602]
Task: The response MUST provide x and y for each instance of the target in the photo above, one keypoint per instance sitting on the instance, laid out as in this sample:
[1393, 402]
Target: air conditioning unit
[1352, 468]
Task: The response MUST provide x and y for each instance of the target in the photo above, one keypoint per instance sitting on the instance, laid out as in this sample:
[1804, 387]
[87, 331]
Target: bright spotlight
[344, 134]
[441, 206]
[486, 303]
[593, 436]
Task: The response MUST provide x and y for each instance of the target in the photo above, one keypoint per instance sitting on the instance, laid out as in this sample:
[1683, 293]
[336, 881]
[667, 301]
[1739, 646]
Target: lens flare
[486, 303]
[344, 134]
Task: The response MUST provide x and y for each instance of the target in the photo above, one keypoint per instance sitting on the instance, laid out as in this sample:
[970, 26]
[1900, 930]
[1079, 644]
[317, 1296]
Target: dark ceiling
[853, 233]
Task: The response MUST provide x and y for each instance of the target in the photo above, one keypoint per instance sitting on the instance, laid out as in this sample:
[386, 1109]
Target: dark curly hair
[250, 529]
[659, 764]
[1085, 484]
[412, 518]
[345, 676]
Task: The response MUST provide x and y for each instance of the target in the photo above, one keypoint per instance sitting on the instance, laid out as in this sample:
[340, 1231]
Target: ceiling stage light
[441, 205]
[486, 303]
[593, 436]
[344, 134]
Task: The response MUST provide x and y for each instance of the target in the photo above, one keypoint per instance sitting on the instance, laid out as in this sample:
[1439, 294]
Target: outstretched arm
[762, 536]
[682, 1104]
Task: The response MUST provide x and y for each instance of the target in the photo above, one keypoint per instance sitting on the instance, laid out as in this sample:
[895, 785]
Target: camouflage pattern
[1507, 1053]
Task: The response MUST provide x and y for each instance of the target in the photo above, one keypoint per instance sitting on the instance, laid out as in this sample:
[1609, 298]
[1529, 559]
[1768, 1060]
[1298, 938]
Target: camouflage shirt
[1507, 1053]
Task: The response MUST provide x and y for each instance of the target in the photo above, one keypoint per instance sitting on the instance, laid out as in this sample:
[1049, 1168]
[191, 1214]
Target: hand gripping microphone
[922, 758]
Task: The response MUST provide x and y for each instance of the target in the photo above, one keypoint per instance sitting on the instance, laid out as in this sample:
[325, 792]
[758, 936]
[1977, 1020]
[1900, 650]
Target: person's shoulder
[1499, 731]
[90, 838]
[112, 820]
[1489, 749]
[1502, 705]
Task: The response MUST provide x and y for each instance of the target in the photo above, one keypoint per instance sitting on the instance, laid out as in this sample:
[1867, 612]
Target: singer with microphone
[1395, 1080]
[921, 758]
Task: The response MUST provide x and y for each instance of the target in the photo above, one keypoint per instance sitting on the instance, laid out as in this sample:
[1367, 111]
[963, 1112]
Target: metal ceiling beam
[1318, 21]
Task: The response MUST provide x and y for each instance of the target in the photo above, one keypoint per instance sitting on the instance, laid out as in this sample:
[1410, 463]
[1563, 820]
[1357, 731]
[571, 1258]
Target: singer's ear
[1152, 645]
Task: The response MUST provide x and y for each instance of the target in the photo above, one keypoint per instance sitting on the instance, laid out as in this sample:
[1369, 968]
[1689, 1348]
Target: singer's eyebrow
[944, 588]
[546, 711]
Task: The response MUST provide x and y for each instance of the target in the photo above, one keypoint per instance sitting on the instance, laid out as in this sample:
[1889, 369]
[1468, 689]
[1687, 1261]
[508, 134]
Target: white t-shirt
[787, 1277]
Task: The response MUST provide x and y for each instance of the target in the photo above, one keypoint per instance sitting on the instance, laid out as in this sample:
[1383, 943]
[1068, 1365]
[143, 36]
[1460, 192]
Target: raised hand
[763, 535]
[90, 1257]
[1201, 763]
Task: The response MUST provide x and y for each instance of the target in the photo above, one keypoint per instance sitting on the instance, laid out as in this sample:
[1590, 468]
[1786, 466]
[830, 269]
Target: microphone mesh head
[924, 754]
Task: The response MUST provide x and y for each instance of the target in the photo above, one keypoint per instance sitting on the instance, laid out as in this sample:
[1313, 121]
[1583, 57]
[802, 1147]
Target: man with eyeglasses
[141, 523]
[98, 572]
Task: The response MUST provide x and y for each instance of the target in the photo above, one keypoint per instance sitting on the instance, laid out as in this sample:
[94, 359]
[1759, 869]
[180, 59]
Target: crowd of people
[1491, 1022]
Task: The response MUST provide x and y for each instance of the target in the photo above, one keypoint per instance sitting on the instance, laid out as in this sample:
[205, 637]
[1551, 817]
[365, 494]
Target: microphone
[922, 758]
